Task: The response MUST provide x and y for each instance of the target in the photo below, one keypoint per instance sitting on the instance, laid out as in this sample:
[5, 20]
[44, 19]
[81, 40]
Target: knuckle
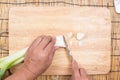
[49, 37]
[38, 37]
[42, 36]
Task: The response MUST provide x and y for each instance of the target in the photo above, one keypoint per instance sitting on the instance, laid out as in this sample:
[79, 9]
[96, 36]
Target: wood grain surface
[114, 73]
[27, 23]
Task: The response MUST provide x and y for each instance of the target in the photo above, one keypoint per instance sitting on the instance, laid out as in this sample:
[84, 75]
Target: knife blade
[68, 50]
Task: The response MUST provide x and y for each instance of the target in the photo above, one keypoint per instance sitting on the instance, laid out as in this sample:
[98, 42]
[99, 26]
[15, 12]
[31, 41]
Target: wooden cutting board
[93, 53]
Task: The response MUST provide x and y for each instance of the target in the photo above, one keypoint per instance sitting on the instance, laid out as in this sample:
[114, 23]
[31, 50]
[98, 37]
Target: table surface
[114, 74]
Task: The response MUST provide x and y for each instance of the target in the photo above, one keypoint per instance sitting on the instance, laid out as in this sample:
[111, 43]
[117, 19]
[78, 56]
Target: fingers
[75, 69]
[83, 74]
[50, 48]
[78, 73]
[52, 52]
[41, 42]
[41, 54]
[36, 41]
[45, 41]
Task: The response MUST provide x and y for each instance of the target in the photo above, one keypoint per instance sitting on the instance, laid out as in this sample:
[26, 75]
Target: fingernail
[54, 38]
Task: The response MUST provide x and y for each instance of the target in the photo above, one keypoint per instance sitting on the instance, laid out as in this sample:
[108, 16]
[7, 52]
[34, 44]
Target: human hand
[78, 74]
[38, 58]
[40, 55]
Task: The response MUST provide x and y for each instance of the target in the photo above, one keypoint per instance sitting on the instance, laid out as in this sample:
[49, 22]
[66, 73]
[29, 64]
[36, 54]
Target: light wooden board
[26, 23]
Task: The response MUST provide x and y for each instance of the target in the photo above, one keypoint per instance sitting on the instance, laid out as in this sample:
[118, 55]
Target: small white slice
[80, 36]
[117, 5]
[69, 35]
[60, 41]
[70, 43]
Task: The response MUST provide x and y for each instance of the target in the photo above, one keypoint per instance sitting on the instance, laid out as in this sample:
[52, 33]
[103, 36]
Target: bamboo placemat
[114, 74]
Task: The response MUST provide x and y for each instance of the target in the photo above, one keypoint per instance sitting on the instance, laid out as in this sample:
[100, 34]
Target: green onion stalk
[11, 60]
